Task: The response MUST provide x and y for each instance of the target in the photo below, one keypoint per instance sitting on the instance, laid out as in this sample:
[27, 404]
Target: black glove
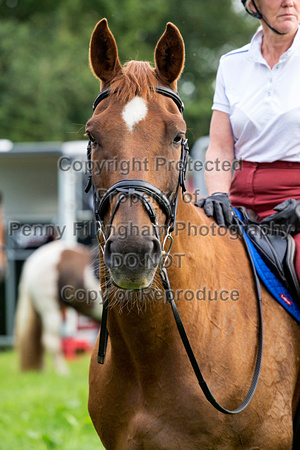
[219, 206]
[288, 216]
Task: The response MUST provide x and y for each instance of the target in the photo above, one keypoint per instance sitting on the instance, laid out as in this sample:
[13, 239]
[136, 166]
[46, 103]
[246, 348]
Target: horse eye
[177, 139]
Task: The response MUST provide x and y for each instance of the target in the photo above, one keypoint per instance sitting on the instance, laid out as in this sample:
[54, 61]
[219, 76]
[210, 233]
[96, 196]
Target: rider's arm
[220, 154]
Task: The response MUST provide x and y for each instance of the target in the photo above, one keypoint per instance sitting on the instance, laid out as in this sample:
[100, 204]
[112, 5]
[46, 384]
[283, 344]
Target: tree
[46, 87]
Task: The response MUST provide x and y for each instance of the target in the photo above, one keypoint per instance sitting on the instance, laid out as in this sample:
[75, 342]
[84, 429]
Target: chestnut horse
[146, 395]
[56, 275]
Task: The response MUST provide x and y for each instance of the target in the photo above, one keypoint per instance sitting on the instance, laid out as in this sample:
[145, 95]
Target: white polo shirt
[263, 104]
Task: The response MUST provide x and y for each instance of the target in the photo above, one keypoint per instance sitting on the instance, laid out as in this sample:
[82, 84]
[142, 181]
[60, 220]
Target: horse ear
[104, 58]
[169, 54]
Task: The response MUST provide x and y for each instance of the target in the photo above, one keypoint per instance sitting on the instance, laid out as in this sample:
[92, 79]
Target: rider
[256, 119]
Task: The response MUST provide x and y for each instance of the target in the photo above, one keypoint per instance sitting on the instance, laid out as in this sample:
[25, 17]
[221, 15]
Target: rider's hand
[288, 216]
[219, 206]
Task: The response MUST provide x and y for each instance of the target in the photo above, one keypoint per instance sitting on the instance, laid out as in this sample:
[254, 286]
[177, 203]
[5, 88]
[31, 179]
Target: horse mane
[137, 78]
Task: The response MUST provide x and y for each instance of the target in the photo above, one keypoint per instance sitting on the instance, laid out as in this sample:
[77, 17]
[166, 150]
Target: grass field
[44, 410]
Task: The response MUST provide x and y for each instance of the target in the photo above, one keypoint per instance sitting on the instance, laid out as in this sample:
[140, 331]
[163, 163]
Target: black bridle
[138, 188]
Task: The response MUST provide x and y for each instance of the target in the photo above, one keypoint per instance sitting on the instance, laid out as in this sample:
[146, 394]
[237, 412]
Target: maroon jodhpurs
[262, 186]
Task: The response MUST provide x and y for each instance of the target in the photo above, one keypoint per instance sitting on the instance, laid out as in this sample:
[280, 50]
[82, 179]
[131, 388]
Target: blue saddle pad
[272, 283]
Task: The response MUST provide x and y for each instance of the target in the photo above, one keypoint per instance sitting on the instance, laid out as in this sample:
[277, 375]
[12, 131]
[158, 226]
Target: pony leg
[28, 331]
[51, 338]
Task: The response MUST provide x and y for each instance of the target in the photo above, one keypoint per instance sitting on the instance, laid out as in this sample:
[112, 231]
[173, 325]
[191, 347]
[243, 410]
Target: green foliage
[46, 87]
[44, 410]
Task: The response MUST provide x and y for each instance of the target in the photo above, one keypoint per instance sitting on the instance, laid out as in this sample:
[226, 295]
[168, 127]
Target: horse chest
[166, 414]
[169, 413]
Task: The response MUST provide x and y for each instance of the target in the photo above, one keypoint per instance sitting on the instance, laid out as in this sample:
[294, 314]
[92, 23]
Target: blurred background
[46, 88]
[46, 96]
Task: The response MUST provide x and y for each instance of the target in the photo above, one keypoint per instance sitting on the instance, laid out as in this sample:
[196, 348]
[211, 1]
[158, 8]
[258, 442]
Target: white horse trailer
[42, 187]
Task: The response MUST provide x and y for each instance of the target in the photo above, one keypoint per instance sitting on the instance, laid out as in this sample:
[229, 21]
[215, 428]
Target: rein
[138, 188]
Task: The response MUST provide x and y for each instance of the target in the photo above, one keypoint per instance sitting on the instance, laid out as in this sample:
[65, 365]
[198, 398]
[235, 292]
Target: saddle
[276, 247]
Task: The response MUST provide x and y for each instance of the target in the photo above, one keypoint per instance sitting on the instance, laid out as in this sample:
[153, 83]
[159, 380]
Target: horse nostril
[108, 253]
[156, 251]
[144, 253]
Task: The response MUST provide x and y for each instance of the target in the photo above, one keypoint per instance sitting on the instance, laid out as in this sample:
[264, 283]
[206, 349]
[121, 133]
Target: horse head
[136, 138]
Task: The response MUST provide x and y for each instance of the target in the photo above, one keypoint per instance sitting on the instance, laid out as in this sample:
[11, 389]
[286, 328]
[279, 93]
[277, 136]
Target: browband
[167, 92]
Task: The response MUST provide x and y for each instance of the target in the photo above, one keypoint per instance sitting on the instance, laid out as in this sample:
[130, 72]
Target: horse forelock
[137, 78]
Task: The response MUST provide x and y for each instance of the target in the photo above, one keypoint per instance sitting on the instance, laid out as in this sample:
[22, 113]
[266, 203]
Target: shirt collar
[295, 45]
[256, 41]
[255, 46]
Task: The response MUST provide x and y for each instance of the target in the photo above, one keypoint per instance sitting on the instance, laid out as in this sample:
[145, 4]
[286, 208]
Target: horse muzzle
[132, 263]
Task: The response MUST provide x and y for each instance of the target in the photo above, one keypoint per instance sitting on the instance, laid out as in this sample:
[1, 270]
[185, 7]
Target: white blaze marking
[134, 112]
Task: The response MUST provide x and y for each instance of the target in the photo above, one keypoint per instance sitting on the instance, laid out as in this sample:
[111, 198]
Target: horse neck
[213, 265]
[197, 245]
[139, 335]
